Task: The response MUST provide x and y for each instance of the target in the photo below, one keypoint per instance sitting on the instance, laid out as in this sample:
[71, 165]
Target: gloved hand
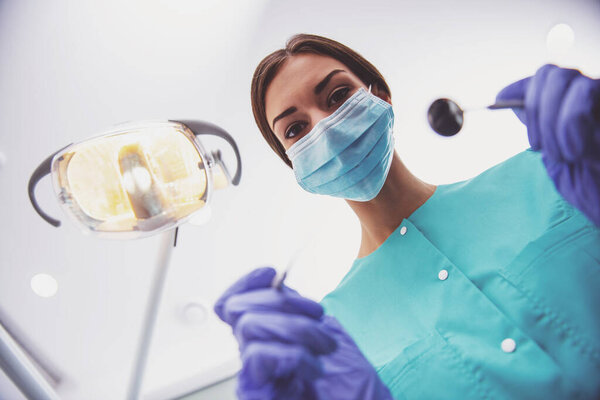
[289, 349]
[562, 114]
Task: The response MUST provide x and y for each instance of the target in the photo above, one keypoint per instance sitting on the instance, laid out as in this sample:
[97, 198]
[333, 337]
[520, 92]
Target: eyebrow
[318, 89]
[284, 114]
[321, 85]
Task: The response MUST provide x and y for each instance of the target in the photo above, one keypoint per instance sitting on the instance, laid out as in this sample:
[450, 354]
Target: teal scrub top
[489, 290]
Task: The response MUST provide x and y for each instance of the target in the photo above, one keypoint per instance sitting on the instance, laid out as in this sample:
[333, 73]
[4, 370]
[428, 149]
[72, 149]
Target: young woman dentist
[482, 289]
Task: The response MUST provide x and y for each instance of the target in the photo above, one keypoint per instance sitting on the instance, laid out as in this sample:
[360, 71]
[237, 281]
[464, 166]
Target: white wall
[70, 68]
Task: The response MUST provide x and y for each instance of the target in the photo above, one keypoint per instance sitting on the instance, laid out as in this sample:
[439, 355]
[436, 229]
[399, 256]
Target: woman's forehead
[296, 78]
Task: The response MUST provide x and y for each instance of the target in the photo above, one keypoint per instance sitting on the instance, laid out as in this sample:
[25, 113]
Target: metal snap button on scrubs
[403, 230]
[508, 345]
[443, 275]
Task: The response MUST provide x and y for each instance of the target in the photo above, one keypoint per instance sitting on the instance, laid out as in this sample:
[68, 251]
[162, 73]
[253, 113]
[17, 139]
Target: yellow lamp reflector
[134, 179]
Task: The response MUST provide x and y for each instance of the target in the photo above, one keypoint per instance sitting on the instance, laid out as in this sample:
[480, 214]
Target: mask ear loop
[369, 88]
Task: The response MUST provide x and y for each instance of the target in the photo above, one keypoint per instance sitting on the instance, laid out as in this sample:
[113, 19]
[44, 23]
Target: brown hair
[297, 44]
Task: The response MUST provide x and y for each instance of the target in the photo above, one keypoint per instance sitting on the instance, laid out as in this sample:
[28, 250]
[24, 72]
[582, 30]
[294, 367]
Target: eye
[294, 129]
[338, 96]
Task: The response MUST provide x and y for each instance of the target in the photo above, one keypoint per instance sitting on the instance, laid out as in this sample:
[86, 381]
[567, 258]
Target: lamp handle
[206, 128]
[41, 171]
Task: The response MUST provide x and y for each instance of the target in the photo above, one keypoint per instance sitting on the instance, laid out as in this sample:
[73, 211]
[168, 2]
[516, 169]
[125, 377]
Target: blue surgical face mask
[349, 153]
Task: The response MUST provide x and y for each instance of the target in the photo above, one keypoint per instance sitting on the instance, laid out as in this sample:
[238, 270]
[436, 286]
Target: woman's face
[306, 89]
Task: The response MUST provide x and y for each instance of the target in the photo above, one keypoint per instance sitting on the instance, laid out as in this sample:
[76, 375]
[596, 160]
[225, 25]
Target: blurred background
[72, 68]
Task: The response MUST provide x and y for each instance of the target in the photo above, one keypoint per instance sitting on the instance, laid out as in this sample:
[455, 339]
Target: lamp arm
[21, 370]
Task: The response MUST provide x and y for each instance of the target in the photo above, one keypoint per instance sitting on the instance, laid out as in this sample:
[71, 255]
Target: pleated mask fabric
[349, 153]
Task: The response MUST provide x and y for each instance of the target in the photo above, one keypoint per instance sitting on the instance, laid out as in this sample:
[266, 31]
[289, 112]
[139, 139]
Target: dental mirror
[446, 117]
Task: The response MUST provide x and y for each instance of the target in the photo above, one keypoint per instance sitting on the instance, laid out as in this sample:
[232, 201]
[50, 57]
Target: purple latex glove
[562, 114]
[289, 349]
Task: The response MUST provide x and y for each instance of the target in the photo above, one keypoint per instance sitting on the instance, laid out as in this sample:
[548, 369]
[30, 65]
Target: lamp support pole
[26, 376]
[21, 371]
[164, 257]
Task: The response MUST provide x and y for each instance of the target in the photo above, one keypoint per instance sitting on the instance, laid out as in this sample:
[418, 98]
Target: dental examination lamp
[136, 180]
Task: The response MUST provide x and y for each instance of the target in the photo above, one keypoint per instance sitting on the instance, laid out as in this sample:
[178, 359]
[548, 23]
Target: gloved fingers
[264, 300]
[257, 279]
[515, 91]
[288, 388]
[346, 348]
[295, 388]
[267, 362]
[578, 184]
[552, 98]
[533, 95]
[333, 326]
[578, 126]
[285, 328]
[244, 392]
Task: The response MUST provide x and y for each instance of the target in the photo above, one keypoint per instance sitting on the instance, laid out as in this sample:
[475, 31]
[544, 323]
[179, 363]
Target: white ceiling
[71, 68]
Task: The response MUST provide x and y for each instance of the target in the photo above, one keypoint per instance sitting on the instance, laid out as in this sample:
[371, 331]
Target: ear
[379, 92]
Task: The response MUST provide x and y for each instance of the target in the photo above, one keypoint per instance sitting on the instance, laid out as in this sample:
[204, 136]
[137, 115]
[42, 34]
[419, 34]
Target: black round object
[445, 117]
